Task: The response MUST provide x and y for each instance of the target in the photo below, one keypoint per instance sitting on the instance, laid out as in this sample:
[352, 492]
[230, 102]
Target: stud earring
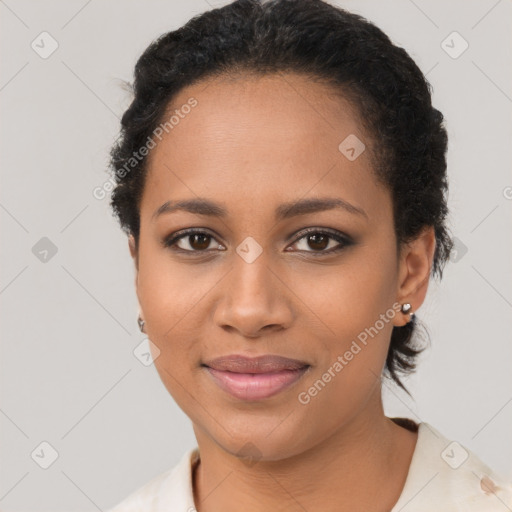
[141, 323]
[406, 309]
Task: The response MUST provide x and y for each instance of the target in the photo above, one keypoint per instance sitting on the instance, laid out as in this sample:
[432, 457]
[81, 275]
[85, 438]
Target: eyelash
[171, 240]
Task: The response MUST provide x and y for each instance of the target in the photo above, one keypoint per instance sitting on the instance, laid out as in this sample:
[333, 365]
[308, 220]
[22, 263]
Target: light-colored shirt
[444, 476]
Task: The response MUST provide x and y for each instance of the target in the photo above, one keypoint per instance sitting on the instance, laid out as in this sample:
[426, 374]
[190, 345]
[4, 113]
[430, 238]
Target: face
[318, 284]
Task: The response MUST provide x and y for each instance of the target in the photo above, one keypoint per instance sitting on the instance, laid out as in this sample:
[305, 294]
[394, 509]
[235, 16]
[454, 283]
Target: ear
[414, 270]
[134, 254]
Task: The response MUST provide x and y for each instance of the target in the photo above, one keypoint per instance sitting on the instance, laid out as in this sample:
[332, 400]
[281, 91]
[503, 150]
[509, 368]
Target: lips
[255, 378]
[261, 364]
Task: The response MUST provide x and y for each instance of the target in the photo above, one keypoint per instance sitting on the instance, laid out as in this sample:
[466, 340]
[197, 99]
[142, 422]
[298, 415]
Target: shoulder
[446, 476]
[173, 487]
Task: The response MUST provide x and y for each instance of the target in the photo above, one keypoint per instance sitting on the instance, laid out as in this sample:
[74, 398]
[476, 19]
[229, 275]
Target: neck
[361, 466]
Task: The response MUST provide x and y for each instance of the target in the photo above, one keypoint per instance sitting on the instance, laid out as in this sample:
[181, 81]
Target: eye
[320, 239]
[192, 240]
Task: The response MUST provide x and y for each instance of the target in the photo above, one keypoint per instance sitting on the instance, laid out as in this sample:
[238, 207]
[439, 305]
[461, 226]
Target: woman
[281, 176]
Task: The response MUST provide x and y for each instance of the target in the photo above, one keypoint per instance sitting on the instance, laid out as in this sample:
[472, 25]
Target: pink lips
[255, 378]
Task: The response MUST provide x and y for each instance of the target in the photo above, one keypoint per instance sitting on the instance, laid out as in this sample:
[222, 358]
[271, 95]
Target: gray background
[69, 375]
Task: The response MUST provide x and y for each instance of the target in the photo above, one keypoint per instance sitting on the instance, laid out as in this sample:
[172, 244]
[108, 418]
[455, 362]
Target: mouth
[268, 363]
[253, 379]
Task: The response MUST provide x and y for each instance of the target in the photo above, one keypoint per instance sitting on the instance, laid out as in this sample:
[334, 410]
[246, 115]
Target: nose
[254, 300]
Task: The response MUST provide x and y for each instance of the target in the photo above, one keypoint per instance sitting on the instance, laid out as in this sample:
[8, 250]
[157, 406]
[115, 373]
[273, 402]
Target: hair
[319, 41]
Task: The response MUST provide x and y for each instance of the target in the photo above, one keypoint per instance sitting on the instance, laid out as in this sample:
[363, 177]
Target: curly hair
[321, 42]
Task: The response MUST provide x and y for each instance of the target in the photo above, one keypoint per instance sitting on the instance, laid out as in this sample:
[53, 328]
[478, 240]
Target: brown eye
[322, 242]
[318, 242]
[199, 241]
[191, 241]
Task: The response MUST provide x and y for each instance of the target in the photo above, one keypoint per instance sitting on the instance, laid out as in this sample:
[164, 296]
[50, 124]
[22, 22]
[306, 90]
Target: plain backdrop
[69, 375]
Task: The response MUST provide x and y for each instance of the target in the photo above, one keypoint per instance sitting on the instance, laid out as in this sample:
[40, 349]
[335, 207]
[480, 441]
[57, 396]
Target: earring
[141, 324]
[406, 309]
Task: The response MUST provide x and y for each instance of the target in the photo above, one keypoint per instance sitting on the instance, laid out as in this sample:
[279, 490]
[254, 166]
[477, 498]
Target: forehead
[275, 137]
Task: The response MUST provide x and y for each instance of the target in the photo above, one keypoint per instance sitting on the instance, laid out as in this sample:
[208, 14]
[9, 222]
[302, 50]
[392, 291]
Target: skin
[251, 144]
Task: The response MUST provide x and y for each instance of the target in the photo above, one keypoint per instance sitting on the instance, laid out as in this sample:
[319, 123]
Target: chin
[253, 445]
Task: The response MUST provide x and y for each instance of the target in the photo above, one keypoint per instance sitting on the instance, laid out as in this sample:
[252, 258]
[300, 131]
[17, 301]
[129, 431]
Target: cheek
[169, 298]
[345, 300]
[173, 297]
[168, 291]
[353, 306]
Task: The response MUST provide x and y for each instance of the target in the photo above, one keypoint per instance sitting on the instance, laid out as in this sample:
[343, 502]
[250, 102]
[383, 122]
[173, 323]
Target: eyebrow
[203, 206]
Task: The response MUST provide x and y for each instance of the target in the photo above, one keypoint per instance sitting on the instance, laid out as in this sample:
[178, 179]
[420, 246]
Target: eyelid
[334, 233]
